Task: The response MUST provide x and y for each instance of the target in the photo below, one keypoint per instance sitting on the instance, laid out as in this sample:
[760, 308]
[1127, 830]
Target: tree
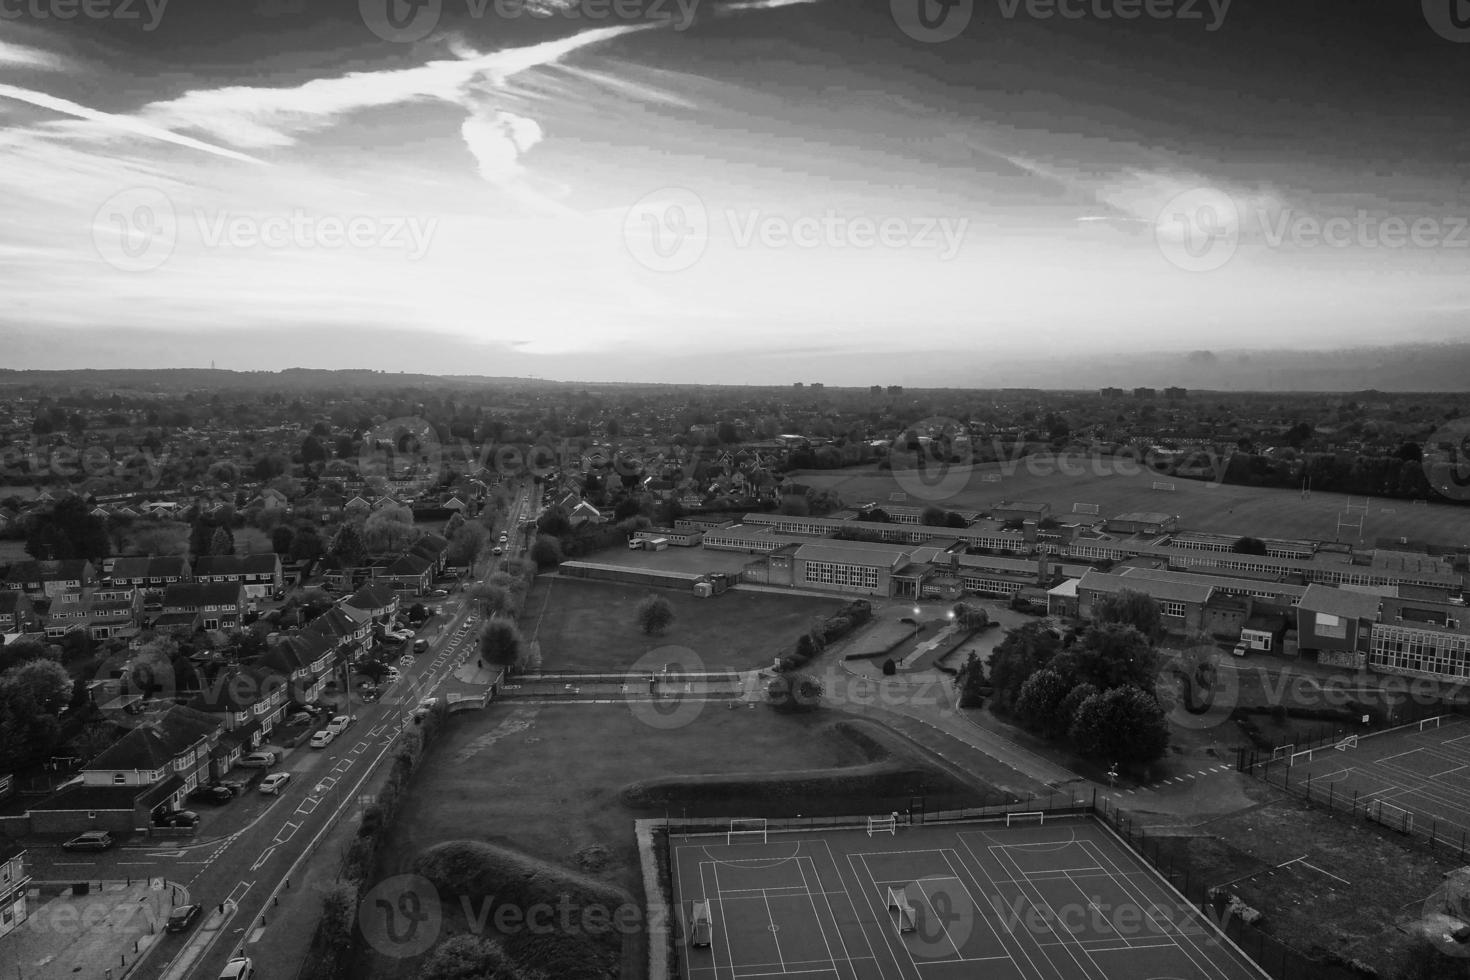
[45, 682]
[468, 544]
[307, 544]
[972, 683]
[546, 552]
[792, 693]
[1248, 546]
[69, 531]
[932, 517]
[30, 697]
[1023, 652]
[348, 544]
[501, 643]
[1421, 960]
[160, 539]
[1137, 609]
[1073, 702]
[222, 542]
[468, 957]
[970, 617]
[1038, 703]
[655, 614]
[794, 505]
[389, 529]
[373, 670]
[281, 540]
[1124, 726]
[200, 533]
[890, 669]
[1109, 656]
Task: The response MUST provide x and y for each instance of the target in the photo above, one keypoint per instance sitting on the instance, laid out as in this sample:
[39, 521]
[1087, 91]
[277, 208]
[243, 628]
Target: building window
[118, 779]
[1171, 608]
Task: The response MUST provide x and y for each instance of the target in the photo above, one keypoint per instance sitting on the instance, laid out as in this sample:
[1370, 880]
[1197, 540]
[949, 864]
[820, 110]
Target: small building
[1337, 624]
[1143, 522]
[1010, 511]
[14, 883]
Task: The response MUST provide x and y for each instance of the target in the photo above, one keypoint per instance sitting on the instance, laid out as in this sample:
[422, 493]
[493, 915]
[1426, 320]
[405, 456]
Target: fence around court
[1275, 958]
[1275, 768]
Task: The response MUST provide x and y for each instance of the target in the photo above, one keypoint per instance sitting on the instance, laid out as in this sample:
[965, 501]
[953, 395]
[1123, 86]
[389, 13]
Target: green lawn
[591, 625]
[1118, 488]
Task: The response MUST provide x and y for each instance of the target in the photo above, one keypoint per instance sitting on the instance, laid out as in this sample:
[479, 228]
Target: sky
[746, 191]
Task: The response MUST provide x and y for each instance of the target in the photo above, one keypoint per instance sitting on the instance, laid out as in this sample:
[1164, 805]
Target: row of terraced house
[216, 715]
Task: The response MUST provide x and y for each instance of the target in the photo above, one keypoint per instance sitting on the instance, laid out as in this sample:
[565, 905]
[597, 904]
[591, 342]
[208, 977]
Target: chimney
[1043, 569]
[1028, 530]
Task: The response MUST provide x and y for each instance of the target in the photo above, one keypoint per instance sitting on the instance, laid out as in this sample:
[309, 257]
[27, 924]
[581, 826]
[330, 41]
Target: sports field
[1055, 901]
[1119, 486]
[1410, 779]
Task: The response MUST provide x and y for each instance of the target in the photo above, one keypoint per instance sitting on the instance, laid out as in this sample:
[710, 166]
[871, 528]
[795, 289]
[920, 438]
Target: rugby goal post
[1025, 816]
[883, 825]
[750, 830]
[902, 909]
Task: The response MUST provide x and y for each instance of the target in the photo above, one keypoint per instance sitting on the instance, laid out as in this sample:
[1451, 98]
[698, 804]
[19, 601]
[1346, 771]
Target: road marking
[265, 856]
[167, 854]
[238, 892]
[76, 864]
[359, 747]
[305, 810]
[134, 864]
[288, 829]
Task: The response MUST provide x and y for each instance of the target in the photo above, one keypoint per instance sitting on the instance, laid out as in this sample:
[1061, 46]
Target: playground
[1021, 897]
[1414, 779]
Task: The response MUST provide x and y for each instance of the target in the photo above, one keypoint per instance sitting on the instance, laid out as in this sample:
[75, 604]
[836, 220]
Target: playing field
[1064, 899]
[1119, 486]
[1410, 779]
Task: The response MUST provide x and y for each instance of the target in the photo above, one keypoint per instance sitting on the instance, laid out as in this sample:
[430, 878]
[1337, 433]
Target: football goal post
[1430, 722]
[883, 825]
[1163, 485]
[1086, 509]
[902, 910]
[1283, 751]
[1392, 816]
[1028, 816]
[747, 831]
[1351, 742]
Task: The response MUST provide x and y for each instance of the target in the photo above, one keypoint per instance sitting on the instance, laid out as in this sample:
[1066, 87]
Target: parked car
[420, 645]
[497, 550]
[259, 760]
[92, 840]
[439, 593]
[212, 794]
[339, 724]
[301, 718]
[176, 818]
[182, 917]
[239, 968]
[322, 739]
[273, 783]
[236, 786]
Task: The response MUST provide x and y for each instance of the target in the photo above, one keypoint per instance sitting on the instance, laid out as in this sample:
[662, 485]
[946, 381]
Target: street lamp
[917, 613]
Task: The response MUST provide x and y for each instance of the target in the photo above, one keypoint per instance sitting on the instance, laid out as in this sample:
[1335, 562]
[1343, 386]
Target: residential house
[14, 883]
[102, 611]
[248, 703]
[375, 601]
[215, 606]
[259, 574]
[16, 611]
[48, 579]
[151, 574]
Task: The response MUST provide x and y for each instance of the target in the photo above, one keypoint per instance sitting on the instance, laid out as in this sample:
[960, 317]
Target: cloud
[497, 139]
[28, 57]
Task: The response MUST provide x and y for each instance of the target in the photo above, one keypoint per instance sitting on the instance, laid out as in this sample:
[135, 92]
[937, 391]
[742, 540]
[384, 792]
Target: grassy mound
[548, 919]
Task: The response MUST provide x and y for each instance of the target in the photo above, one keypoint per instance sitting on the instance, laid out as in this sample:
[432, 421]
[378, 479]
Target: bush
[794, 693]
[889, 667]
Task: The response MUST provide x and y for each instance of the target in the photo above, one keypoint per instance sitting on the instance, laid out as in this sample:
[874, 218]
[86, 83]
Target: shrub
[889, 667]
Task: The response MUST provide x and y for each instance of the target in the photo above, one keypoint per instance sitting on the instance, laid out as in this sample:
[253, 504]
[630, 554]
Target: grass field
[547, 779]
[1026, 902]
[1118, 487]
[590, 625]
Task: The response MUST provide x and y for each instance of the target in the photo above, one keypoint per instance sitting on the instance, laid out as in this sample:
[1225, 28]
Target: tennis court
[1054, 900]
[1414, 778]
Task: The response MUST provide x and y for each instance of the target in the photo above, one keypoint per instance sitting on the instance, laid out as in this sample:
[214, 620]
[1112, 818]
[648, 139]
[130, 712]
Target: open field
[1121, 486]
[1026, 902]
[547, 781]
[591, 625]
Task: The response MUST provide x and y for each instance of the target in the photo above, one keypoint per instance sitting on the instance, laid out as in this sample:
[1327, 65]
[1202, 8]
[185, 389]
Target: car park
[92, 840]
[239, 968]
[212, 794]
[322, 739]
[259, 760]
[176, 818]
[183, 917]
[273, 783]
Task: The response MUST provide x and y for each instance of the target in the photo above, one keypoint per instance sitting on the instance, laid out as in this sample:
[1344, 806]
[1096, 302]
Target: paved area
[68, 936]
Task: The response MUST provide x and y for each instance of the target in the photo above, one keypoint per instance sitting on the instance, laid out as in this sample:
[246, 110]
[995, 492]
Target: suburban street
[246, 849]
